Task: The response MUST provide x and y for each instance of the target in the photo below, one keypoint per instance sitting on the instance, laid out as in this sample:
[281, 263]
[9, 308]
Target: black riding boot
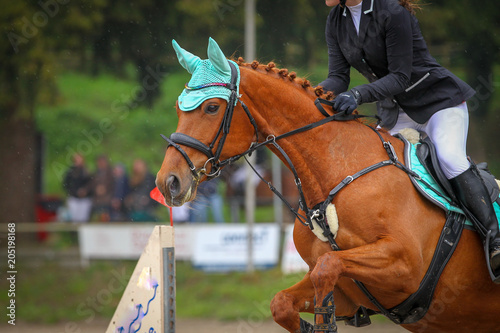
[471, 191]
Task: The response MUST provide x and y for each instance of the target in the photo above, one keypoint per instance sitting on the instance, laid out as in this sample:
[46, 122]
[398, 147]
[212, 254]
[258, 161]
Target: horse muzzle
[176, 190]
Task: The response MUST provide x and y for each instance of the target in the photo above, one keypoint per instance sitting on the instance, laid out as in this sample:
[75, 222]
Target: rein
[272, 140]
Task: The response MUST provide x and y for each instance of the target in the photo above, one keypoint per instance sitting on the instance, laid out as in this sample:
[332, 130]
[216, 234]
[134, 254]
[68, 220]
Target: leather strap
[186, 140]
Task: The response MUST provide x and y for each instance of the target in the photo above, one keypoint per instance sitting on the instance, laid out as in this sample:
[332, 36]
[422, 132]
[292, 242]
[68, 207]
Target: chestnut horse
[388, 231]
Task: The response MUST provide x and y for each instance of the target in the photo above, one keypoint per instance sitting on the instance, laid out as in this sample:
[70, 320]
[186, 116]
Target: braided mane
[285, 74]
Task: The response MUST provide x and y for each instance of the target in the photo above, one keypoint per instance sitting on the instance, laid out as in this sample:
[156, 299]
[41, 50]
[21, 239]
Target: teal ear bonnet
[209, 76]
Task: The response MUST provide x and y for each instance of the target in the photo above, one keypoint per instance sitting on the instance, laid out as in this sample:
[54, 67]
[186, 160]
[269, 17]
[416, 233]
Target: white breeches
[447, 129]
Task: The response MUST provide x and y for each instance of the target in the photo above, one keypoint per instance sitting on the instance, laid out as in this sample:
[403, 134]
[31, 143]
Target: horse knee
[327, 270]
[282, 309]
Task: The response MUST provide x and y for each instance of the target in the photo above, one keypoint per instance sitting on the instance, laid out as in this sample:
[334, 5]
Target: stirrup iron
[360, 319]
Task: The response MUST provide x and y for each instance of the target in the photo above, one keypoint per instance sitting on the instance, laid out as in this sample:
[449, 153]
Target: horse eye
[212, 108]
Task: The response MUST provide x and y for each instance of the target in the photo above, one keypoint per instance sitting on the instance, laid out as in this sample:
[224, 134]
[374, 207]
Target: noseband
[177, 139]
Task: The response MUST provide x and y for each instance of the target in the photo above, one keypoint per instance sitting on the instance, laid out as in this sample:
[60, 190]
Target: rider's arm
[399, 47]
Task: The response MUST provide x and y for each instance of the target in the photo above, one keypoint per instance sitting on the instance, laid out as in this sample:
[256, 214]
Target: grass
[94, 116]
[50, 294]
[98, 116]
[228, 296]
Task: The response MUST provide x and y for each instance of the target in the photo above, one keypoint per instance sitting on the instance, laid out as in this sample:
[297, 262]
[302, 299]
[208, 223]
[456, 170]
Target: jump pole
[148, 302]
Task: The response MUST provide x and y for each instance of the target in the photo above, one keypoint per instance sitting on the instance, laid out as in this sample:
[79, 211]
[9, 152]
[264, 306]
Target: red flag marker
[156, 195]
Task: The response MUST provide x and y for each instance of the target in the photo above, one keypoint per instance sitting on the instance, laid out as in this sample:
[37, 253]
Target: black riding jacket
[392, 54]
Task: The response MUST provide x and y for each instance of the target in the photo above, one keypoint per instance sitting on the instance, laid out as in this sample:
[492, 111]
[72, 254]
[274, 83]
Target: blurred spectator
[236, 178]
[119, 194]
[138, 202]
[207, 197]
[102, 185]
[77, 185]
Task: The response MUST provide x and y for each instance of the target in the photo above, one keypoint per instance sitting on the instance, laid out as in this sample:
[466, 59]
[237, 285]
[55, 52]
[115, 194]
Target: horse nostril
[173, 186]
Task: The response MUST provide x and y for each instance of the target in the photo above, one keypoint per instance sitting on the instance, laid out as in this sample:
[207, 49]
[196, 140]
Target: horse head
[205, 109]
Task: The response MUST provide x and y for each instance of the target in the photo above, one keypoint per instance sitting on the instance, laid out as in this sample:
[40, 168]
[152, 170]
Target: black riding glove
[347, 101]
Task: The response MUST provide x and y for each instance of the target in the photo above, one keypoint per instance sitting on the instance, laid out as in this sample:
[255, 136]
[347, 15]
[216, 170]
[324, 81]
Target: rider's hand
[346, 102]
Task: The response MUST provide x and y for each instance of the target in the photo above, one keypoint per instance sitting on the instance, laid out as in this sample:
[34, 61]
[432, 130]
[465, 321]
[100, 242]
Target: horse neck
[322, 156]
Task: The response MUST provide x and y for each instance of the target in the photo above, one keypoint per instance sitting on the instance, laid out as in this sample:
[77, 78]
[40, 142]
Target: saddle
[426, 153]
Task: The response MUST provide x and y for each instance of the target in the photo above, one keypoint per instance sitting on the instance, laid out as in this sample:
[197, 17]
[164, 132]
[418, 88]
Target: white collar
[369, 10]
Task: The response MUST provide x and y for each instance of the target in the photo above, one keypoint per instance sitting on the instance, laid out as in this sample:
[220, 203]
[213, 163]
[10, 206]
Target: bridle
[177, 139]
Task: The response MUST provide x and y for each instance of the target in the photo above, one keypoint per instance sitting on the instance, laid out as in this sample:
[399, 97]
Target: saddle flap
[489, 180]
[426, 153]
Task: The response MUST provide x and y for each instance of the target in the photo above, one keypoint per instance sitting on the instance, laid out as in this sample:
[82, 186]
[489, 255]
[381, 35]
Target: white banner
[291, 262]
[127, 240]
[210, 246]
[224, 247]
[113, 241]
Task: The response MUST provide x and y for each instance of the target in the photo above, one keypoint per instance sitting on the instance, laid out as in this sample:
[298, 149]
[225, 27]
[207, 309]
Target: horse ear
[217, 57]
[188, 60]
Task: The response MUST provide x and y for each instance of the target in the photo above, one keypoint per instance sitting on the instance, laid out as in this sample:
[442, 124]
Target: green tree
[23, 67]
[134, 32]
[33, 35]
[473, 32]
[291, 32]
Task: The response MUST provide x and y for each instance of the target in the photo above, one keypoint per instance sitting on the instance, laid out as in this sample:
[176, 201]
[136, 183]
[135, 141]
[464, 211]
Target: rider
[382, 40]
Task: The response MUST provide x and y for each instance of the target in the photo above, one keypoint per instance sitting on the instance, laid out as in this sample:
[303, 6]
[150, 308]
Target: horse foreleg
[287, 304]
[384, 264]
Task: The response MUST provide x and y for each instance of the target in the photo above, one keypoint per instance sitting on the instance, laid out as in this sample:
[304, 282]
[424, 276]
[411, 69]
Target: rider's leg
[448, 131]
[404, 121]
[470, 189]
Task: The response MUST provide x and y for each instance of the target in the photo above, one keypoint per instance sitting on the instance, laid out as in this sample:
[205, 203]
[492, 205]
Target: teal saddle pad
[427, 185]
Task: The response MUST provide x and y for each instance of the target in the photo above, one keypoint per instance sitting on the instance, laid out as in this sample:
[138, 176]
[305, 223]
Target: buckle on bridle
[251, 149]
[317, 215]
[215, 166]
[390, 151]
